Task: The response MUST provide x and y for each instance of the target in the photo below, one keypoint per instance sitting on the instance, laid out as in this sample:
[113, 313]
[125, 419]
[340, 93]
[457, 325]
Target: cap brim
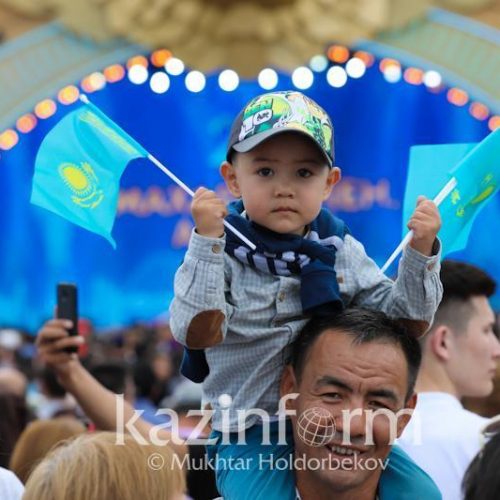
[248, 144]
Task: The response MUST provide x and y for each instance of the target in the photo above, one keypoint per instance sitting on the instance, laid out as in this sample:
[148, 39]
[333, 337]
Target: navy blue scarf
[311, 257]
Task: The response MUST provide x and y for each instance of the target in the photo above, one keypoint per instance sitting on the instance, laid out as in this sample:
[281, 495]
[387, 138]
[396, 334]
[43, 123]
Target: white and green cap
[277, 112]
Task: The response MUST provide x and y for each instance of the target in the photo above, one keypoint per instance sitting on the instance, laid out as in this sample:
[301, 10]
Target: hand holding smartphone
[67, 307]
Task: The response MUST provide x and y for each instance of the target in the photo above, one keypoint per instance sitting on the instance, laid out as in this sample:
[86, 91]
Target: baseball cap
[277, 112]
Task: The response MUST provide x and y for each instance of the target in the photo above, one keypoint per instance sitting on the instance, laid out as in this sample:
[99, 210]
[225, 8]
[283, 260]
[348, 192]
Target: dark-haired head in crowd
[135, 386]
[482, 478]
[14, 417]
[54, 401]
[460, 356]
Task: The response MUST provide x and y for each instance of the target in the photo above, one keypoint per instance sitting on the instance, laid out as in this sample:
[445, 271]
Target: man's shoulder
[11, 487]
[442, 418]
[436, 402]
[474, 418]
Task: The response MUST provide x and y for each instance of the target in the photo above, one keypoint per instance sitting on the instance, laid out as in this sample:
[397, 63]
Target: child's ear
[228, 172]
[333, 178]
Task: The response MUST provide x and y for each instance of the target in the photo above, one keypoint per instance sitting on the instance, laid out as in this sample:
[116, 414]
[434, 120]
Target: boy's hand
[208, 212]
[51, 341]
[425, 224]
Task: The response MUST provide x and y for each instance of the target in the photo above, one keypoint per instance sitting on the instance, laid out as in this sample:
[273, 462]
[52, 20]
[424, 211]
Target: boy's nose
[284, 190]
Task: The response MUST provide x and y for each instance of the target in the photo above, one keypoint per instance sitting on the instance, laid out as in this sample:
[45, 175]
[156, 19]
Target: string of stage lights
[337, 66]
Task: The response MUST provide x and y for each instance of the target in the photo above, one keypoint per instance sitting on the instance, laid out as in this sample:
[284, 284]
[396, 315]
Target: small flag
[78, 169]
[476, 168]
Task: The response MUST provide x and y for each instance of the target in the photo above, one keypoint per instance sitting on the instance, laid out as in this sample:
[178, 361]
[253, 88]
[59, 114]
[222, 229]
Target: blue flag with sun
[78, 168]
[476, 169]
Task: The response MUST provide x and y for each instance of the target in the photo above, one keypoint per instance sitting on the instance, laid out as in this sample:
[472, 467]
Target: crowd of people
[308, 374]
[54, 399]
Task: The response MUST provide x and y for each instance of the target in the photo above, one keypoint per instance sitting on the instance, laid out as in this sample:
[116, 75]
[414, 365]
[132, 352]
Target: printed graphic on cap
[290, 110]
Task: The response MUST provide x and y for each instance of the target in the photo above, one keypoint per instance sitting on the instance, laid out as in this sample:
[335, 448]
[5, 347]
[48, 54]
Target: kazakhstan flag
[475, 167]
[78, 169]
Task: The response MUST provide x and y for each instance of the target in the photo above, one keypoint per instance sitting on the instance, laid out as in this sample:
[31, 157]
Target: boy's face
[282, 182]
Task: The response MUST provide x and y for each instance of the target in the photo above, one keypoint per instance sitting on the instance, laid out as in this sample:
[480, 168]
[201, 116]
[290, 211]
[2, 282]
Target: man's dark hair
[364, 326]
[111, 375]
[461, 282]
[481, 480]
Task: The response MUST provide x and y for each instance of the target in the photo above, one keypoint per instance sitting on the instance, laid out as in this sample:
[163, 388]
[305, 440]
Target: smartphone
[67, 307]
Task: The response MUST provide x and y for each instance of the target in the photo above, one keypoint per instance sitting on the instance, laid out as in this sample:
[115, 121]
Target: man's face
[474, 352]
[282, 182]
[339, 376]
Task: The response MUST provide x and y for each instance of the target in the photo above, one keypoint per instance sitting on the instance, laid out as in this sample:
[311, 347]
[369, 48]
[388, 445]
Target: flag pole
[189, 191]
[448, 188]
[181, 184]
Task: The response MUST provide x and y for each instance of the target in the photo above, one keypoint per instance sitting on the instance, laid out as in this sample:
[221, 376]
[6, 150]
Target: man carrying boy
[246, 307]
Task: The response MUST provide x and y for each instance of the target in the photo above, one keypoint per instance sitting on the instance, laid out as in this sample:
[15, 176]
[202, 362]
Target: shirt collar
[298, 497]
[444, 398]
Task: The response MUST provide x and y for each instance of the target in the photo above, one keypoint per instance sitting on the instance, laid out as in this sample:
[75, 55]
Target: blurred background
[173, 74]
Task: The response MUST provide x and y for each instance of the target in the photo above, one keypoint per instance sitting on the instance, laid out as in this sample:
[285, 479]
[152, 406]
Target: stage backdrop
[375, 122]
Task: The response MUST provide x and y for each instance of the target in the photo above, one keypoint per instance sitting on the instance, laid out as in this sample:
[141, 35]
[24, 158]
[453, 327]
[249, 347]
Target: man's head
[461, 350]
[352, 364]
[280, 160]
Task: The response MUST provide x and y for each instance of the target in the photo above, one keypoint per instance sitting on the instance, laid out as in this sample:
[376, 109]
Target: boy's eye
[264, 172]
[304, 172]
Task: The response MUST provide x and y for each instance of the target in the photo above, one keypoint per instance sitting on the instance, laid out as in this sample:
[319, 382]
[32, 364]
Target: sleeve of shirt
[414, 295]
[198, 311]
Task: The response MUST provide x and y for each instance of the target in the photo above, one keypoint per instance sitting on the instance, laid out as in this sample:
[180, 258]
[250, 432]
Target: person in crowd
[135, 387]
[10, 486]
[460, 356]
[38, 439]
[384, 355]
[187, 397]
[54, 400]
[162, 364]
[116, 377]
[482, 480]
[247, 306]
[489, 406]
[107, 466]
[344, 369]
[13, 381]
[10, 341]
[14, 417]
[148, 388]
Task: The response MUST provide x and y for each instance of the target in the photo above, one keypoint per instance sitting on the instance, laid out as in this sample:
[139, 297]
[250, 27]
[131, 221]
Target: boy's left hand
[425, 224]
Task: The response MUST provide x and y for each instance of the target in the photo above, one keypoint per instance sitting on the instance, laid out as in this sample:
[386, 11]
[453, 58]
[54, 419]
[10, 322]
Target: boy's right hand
[208, 212]
[51, 341]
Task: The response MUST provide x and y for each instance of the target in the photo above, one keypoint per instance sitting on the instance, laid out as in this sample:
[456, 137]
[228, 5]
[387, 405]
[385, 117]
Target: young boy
[244, 307]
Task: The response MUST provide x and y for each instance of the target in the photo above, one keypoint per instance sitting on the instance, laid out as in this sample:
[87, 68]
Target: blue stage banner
[375, 123]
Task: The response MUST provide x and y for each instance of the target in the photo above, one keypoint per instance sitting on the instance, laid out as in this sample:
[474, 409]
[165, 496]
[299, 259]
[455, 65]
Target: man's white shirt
[450, 437]
[10, 486]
